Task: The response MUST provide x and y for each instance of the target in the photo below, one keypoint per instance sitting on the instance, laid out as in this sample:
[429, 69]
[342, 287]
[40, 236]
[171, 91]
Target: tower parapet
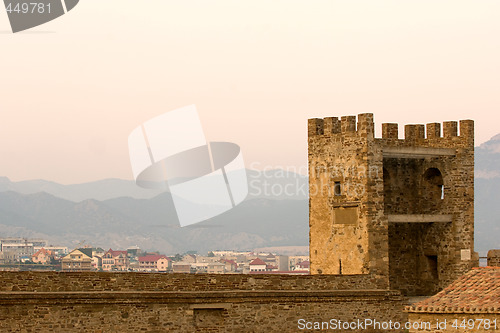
[389, 131]
[414, 134]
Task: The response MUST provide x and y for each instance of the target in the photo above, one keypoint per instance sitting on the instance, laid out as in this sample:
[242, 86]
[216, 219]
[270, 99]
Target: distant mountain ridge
[98, 190]
[260, 186]
[488, 159]
[487, 195]
[117, 213]
[152, 223]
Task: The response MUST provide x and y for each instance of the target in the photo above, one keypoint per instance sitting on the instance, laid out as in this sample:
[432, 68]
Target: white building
[257, 265]
[18, 248]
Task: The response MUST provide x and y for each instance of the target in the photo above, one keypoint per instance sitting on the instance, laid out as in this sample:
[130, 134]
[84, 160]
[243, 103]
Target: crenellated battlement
[364, 126]
[346, 125]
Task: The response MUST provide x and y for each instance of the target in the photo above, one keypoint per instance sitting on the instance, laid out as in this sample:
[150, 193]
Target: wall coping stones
[163, 297]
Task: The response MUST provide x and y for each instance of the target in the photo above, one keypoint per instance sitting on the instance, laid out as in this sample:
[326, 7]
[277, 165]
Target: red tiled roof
[478, 291]
[153, 258]
[42, 250]
[282, 272]
[116, 253]
[257, 261]
[304, 264]
[228, 261]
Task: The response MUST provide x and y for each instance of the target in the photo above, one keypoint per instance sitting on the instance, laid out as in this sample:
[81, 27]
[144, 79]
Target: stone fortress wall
[156, 302]
[398, 209]
[387, 215]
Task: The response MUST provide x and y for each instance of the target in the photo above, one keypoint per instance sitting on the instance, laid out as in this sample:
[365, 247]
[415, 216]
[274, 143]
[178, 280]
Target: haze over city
[382, 235]
[72, 90]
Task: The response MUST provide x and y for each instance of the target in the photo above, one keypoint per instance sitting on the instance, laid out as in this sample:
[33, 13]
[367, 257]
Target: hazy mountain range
[116, 213]
[127, 215]
[261, 185]
[487, 195]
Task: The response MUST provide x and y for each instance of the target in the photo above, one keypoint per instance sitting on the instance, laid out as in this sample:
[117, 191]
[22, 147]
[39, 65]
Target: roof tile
[477, 291]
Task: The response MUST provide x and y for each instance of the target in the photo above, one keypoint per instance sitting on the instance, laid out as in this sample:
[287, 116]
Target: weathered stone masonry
[386, 215]
[153, 302]
[398, 209]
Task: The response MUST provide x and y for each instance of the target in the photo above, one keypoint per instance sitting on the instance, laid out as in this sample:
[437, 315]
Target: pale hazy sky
[73, 89]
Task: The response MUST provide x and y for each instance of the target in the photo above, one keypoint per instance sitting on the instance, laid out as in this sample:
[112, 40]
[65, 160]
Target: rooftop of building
[228, 261]
[152, 258]
[304, 264]
[477, 291]
[257, 261]
[116, 253]
[43, 251]
[297, 272]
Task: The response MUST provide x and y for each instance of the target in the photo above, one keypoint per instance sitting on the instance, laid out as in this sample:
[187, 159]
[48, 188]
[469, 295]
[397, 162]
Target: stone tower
[397, 209]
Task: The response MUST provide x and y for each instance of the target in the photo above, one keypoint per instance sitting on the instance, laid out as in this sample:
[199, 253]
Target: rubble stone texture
[379, 224]
[400, 210]
[493, 258]
[156, 302]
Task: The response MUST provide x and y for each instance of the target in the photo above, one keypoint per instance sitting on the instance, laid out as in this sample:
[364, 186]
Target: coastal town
[24, 254]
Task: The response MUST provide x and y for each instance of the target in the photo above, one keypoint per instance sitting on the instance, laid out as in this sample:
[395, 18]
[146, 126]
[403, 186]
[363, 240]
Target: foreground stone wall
[134, 302]
[106, 281]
